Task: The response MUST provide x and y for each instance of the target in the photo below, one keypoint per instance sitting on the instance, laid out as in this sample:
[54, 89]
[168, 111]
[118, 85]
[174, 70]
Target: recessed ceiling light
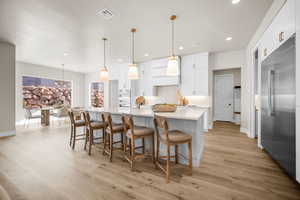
[228, 38]
[181, 48]
[66, 54]
[235, 1]
[146, 55]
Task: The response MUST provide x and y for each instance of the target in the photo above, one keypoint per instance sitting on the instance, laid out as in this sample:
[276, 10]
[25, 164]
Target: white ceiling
[44, 29]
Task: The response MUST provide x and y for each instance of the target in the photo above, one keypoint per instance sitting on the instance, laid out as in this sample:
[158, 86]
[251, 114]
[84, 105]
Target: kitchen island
[189, 120]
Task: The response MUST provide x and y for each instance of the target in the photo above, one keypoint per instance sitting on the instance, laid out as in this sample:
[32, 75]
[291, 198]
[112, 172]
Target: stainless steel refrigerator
[278, 104]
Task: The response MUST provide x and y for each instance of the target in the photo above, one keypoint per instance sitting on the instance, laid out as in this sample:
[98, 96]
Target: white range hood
[159, 71]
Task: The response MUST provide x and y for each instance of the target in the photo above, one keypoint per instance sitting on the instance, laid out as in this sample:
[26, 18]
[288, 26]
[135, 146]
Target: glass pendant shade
[133, 72]
[173, 67]
[104, 74]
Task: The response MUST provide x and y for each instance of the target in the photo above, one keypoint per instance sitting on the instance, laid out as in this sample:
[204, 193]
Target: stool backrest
[161, 123]
[87, 118]
[106, 116]
[71, 116]
[128, 123]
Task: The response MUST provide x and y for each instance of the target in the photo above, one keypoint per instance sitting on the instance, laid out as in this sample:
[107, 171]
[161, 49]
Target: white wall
[227, 60]
[7, 89]
[26, 69]
[247, 72]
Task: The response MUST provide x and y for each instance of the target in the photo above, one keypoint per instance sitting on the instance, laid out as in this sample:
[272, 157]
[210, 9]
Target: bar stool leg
[71, 137]
[74, 137]
[130, 147]
[153, 149]
[132, 153]
[168, 164]
[91, 138]
[176, 153]
[86, 139]
[190, 157]
[111, 141]
[122, 140]
[157, 150]
[143, 143]
[104, 141]
[125, 145]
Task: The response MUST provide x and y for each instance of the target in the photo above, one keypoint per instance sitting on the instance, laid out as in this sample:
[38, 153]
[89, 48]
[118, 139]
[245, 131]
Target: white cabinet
[145, 81]
[281, 29]
[194, 75]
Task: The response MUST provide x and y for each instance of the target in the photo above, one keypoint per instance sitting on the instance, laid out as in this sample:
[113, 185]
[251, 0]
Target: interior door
[223, 99]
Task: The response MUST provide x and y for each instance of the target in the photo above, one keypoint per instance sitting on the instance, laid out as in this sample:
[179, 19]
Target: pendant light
[104, 71]
[173, 64]
[133, 72]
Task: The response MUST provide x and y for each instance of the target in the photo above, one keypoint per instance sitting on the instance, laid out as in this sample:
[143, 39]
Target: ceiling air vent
[106, 13]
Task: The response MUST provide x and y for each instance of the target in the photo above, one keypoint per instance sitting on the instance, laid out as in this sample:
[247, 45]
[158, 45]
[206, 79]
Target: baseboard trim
[244, 130]
[7, 133]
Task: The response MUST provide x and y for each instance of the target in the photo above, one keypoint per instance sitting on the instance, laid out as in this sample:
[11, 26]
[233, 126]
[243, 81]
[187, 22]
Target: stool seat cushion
[176, 136]
[140, 131]
[116, 128]
[98, 124]
[79, 123]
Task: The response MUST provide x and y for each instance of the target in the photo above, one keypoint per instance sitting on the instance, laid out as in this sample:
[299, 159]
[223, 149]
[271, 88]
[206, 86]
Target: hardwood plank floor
[38, 164]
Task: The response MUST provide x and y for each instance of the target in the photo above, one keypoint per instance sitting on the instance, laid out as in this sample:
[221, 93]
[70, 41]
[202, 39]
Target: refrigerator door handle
[271, 92]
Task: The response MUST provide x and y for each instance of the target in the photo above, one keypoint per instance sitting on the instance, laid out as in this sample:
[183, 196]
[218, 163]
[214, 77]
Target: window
[97, 94]
[41, 92]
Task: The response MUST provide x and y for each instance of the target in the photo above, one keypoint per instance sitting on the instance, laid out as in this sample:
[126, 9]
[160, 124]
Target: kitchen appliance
[278, 103]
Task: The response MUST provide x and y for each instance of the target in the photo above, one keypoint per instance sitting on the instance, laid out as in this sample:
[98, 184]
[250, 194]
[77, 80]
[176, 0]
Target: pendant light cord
[173, 18]
[104, 53]
[132, 46]
[173, 54]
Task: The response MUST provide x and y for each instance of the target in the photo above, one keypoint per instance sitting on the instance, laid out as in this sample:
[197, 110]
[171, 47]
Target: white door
[223, 98]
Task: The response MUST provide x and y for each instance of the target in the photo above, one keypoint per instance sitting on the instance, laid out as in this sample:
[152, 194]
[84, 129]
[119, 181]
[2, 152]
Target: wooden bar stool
[171, 138]
[132, 133]
[91, 127]
[74, 125]
[111, 130]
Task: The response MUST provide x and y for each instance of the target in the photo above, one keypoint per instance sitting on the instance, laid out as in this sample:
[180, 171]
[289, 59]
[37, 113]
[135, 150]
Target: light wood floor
[38, 164]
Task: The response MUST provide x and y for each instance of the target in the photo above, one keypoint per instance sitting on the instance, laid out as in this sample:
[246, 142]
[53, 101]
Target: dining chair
[92, 126]
[111, 130]
[28, 115]
[133, 133]
[74, 125]
[61, 113]
[170, 138]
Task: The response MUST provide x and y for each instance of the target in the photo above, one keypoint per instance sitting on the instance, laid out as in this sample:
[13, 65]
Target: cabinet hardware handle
[281, 36]
[265, 52]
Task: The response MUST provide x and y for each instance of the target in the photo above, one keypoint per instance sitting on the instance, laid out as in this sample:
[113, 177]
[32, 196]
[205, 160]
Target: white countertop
[181, 113]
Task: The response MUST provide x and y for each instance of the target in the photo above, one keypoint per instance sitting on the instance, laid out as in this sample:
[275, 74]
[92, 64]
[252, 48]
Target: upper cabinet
[281, 29]
[194, 75]
[145, 81]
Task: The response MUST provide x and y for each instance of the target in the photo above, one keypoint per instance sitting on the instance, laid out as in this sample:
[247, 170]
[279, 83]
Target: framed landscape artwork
[42, 92]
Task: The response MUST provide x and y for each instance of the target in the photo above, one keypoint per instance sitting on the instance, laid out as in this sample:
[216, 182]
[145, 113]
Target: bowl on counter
[164, 108]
